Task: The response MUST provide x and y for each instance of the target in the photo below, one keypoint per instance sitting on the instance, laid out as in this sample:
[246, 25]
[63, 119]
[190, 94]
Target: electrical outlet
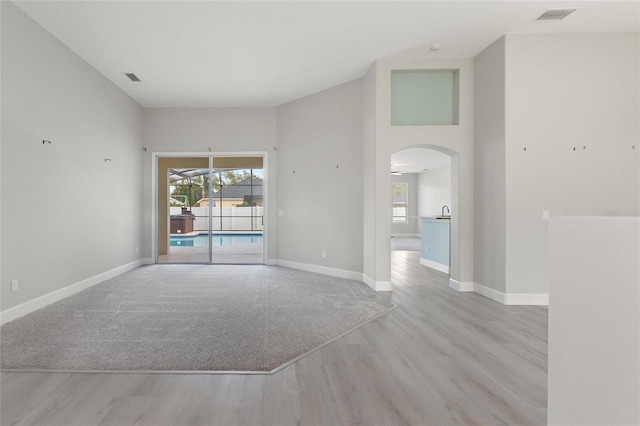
[324, 254]
[14, 285]
[137, 249]
[426, 249]
[545, 214]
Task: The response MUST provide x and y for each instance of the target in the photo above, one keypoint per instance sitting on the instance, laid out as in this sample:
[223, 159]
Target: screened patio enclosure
[212, 210]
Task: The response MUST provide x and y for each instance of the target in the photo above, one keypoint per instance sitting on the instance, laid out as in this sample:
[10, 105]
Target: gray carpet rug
[190, 318]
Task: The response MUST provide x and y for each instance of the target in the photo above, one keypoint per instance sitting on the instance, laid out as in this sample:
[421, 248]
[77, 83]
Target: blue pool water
[219, 240]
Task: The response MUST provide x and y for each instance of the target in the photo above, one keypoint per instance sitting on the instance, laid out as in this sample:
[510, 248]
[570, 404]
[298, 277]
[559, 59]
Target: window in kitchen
[399, 198]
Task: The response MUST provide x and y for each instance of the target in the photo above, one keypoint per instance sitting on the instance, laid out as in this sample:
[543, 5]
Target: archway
[442, 169]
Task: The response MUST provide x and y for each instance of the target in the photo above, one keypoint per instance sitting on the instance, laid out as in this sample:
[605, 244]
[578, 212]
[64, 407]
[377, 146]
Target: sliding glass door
[211, 214]
[237, 218]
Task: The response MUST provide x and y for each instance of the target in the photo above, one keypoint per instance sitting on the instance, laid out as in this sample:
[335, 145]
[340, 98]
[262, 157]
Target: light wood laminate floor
[439, 358]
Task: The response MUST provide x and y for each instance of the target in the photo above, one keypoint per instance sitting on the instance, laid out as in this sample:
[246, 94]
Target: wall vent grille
[555, 14]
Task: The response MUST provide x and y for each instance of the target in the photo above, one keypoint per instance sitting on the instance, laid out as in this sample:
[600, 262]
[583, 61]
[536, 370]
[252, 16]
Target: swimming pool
[218, 240]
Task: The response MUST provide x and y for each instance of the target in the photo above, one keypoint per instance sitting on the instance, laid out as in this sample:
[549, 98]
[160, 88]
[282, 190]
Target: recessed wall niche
[424, 97]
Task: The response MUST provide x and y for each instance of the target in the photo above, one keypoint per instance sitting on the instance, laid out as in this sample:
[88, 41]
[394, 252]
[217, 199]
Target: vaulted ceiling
[266, 53]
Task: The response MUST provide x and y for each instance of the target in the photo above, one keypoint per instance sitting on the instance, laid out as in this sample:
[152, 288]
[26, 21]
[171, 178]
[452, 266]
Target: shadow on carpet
[190, 318]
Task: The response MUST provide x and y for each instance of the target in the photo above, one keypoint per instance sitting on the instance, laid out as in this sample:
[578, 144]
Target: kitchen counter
[436, 236]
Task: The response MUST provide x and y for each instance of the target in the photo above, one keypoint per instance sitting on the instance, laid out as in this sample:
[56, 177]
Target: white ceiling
[240, 53]
[416, 160]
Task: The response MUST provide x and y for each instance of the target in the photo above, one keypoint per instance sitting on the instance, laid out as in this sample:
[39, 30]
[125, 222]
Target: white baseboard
[434, 265]
[376, 285]
[325, 270]
[148, 261]
[40, 302]
[500, 297]
[335, 272]
[271, 262]
[400, 235]
[489, 292]
[460, 286]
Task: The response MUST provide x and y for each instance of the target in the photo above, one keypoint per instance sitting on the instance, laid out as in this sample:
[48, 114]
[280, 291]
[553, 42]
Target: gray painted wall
[2, 282]
[489, 167]
[549, 94]
[196, 130]
[565, 91]
[370, 122]
[67, 215]
[434, 191]
[411, 227]
[320, 178]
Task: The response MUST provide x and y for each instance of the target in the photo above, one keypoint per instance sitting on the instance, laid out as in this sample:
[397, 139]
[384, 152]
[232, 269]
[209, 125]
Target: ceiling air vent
[132, 77]
[555, 14]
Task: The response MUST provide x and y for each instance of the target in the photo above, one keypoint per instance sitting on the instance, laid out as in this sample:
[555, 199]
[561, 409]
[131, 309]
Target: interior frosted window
[424, 97]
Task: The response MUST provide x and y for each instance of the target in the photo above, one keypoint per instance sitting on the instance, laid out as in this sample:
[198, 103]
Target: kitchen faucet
[445, 207]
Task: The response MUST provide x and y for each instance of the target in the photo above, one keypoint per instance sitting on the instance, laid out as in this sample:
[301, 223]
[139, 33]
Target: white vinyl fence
[225, 218]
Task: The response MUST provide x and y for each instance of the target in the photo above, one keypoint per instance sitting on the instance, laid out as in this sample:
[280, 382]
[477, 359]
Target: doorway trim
[154, 193]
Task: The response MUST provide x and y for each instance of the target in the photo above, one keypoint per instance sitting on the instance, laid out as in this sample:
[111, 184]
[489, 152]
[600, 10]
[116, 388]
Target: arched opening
[425, 207]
